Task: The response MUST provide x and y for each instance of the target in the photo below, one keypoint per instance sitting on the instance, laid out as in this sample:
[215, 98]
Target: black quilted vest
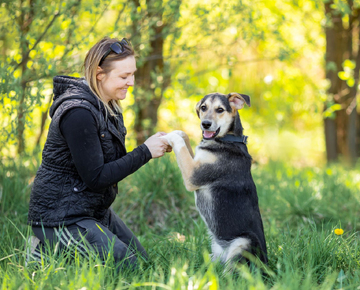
[59, 196]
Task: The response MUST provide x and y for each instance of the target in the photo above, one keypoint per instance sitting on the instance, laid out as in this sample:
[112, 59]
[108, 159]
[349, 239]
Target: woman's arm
[79, 129]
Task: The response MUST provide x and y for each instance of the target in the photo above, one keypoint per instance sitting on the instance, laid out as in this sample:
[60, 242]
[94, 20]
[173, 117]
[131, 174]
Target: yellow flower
[338, 232]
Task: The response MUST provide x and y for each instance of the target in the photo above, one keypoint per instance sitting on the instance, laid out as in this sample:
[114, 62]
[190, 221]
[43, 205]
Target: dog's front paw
[182, 134]
[174, 138]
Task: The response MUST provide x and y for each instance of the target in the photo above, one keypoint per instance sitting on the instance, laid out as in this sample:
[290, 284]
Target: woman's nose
[131, 80]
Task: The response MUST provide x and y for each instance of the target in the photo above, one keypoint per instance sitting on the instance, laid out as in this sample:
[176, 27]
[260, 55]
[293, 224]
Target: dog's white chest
[204, 156]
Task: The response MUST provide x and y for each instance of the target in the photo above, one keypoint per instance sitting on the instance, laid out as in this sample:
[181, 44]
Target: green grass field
[301, 208]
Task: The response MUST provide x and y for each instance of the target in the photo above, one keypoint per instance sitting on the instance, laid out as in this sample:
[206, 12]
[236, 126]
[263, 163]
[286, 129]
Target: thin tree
[341, 121]
[150, 29]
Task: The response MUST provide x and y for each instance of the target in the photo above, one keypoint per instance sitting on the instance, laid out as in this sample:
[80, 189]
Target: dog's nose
[206, 124]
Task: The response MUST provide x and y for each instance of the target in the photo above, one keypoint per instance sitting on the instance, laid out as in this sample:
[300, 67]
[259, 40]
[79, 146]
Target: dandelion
[338, 232]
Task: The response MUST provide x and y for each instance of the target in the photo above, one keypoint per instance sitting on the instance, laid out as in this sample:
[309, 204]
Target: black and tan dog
[219, 173]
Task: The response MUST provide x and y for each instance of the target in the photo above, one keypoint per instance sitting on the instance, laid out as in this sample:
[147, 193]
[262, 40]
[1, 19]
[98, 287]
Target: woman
[85, 157]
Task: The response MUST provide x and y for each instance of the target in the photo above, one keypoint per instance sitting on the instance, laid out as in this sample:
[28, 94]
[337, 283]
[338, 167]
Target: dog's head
[219, 114]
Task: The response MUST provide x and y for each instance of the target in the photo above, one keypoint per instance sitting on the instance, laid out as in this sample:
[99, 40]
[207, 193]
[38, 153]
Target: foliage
[39, 40]
[300, 209]
[255, 51]
[271, 50]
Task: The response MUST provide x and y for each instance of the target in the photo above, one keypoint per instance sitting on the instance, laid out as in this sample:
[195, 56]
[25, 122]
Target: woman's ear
[99, 73]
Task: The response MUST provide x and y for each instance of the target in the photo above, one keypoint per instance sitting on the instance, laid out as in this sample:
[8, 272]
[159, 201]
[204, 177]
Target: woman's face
[114, 84]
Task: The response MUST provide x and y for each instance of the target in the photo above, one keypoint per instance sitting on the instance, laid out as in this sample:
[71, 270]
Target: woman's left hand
[168, 147]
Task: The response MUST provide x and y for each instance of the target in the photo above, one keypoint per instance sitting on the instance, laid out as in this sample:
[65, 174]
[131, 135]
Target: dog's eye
[203, 108]
[219, 110]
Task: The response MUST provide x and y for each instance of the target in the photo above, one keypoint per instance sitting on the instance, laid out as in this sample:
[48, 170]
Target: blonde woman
[84, 158]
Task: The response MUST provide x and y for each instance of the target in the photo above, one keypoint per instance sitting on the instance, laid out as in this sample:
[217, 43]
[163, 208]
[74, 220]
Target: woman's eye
[220, 110]
[203, 108]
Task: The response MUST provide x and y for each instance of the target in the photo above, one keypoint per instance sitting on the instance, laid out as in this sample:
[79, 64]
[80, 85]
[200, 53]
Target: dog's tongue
[209, 134]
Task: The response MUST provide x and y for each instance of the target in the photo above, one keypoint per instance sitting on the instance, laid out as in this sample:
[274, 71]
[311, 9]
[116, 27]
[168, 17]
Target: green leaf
[349, 63]
[331, 66]
[341, 277]
[329, 112]
[350, 82]
[343, 75]
[336, 107]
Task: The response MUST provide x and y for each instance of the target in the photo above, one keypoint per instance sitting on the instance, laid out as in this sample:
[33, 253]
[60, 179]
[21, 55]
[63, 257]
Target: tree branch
[67, 50]
[119, 15]
[37, 41]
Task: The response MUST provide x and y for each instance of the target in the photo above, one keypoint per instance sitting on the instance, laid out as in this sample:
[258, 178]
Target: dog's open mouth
[210, 134]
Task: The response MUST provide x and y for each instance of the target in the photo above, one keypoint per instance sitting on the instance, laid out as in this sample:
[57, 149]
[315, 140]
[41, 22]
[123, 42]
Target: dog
[219, 173]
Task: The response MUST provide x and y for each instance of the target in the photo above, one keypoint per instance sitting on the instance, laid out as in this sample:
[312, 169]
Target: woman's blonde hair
[91, 64]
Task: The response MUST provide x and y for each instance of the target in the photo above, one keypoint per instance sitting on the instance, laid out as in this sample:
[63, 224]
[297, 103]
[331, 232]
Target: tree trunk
[341, 131]
[330, 140]
[151, 78]
[333, 63]
[353, 130]
[25, 20]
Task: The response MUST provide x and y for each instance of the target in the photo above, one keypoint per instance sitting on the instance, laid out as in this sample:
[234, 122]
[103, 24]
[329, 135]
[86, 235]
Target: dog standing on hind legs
[219, 173]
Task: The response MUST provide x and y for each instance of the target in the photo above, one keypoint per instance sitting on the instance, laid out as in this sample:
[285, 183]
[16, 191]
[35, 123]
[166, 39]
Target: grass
[301, 207]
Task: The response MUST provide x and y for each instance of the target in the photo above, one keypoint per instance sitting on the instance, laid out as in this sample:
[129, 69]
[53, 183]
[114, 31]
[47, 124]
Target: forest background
[278, 52]
[298, 60]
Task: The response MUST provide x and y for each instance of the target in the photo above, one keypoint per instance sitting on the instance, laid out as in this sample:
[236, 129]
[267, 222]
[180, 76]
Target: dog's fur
[219, 173]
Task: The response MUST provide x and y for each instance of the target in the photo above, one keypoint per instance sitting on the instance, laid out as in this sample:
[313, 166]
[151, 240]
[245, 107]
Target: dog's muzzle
[208, 131]
[207, 135]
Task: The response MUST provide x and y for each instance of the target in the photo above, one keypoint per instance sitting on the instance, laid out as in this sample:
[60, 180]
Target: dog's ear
[198, 108]
[238, 100]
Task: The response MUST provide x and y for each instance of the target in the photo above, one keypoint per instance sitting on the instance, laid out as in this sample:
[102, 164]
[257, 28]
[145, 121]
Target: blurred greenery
[270, 50]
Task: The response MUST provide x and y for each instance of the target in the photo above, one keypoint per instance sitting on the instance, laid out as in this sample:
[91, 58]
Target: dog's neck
[236, 127]
[235, 133]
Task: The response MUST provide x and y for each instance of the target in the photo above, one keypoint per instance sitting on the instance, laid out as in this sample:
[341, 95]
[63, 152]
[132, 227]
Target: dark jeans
[90, 234]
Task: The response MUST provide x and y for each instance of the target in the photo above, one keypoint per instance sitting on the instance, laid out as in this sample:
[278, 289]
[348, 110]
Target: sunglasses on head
[117, 47]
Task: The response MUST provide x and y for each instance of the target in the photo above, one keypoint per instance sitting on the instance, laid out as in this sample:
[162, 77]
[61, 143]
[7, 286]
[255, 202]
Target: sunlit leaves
[348, 73]
[342, 6]
[209, 46]
[255, 40]
[39, 41]
[329, 112]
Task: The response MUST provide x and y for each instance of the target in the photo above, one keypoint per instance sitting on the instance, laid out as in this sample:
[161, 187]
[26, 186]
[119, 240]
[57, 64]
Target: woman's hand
[157, 146]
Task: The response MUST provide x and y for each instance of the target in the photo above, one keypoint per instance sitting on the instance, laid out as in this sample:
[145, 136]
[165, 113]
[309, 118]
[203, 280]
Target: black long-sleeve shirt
[79, 129]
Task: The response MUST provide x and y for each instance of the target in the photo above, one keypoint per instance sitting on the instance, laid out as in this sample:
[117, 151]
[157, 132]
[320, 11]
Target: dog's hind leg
[217, 252]
[237, 247]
